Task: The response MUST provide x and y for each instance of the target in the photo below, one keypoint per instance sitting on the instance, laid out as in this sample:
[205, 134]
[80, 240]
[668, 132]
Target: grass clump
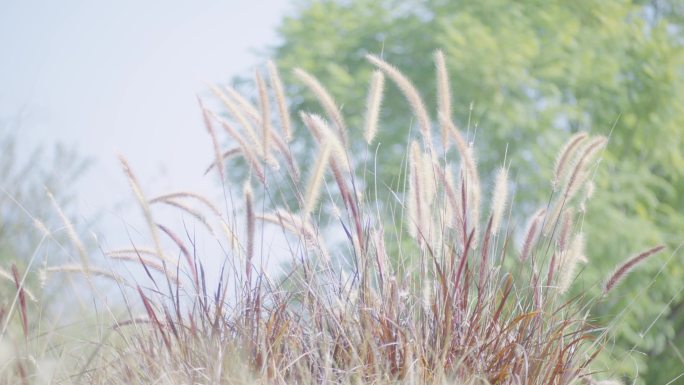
[412, 284]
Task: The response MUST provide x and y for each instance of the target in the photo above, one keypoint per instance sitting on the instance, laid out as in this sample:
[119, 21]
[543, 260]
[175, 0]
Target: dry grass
[419, 290]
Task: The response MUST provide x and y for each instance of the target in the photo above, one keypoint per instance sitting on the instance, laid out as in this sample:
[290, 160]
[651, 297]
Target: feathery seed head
[626, 267]
[265, 114]
[411, 94]
[313, 190]
[326, 101]
[443, 95]
[499, 198]
[565, 156]
[277, 86]
[531, 234]
[568, 262]
[373, 105]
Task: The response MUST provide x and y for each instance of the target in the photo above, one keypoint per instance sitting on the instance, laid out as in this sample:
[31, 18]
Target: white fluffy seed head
[313, 191]
[563, 236]
[499, 198]
[246, 149]
[325, 99]
[237, 114]
[553, 215]
[474, 194]
[565, 157]
[411, 94]
[337, 150]
[242, 102]
[414, 192]
[569, 261]
[428, 178]
[590, 189]
[373, 105]
[443, 94]
[452, 208]
[580, 172]
[265, 108]
[277, 85]
[531, 233]
[588, 193]
[428, 182]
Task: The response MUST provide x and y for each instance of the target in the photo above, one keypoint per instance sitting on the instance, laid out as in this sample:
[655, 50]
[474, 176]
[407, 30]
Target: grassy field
[429, 280]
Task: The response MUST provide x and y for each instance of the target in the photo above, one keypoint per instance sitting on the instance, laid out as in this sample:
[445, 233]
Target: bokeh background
[81, 81]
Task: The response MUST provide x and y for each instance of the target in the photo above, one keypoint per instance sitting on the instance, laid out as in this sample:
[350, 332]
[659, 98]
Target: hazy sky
[121, 77]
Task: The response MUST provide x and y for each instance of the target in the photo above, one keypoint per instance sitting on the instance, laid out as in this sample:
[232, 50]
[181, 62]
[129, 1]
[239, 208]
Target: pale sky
[121, 77]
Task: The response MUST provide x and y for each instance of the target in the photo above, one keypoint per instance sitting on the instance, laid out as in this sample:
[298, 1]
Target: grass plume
[373, 106]
[626, 267]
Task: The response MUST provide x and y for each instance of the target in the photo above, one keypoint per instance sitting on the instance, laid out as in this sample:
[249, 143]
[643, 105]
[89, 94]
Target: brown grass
[368, 297]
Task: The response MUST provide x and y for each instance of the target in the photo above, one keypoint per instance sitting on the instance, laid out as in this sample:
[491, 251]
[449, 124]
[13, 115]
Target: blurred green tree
[527, 74]
[26, 172]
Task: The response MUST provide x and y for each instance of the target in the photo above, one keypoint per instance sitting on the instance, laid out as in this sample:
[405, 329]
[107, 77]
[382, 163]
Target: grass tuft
[404, 287]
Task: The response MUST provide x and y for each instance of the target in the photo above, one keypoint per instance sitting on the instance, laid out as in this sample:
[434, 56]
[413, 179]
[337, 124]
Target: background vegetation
[526, 74]
[26, 173]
